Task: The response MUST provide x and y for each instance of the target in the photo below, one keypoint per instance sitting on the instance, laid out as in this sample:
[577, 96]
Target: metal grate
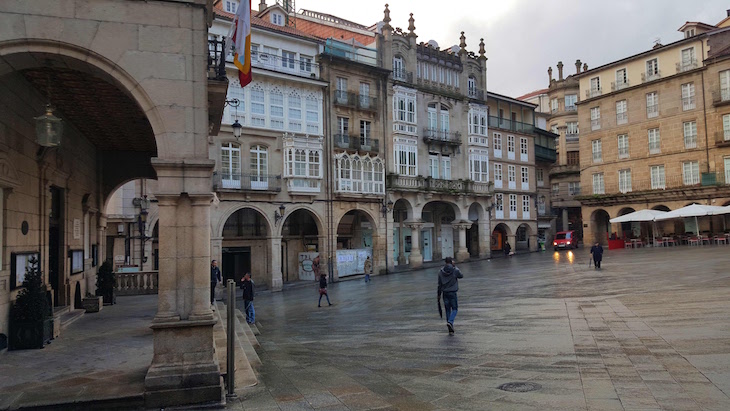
[520, 386]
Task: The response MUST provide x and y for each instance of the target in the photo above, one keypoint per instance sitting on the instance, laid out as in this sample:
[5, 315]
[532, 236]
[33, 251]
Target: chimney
[577, 66]
[262, 5]
[550, 74]
[585, 67]
[560, 71]
[728, 12]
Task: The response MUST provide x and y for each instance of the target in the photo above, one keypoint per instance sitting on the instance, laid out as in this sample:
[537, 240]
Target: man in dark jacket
[448, 286]
[215, 278]
[597, 253]
[248, 293]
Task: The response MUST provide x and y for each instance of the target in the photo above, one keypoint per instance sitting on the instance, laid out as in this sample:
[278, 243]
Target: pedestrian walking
[368, 269]
[507, 249]
[448, 285]
[215, 278]
[597, 253]
[248, 292]
[323, 289]
[315, 267]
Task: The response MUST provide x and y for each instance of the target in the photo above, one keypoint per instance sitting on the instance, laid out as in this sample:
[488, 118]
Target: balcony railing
[419, 183]
[619, 85]
[361, 102]
[571, 136]
[284, 64]
[686, 65]
[475, 93]
[303, 185]
[246, 182]
[571, 108]
[216, 59]
[646, 77]
[402, 75]
[442, 136]
[505, 124]
[666, 183]
[593, 93]
[720, 96]
[347, 51]
[722, 138]
[347, 141]
[137, 283]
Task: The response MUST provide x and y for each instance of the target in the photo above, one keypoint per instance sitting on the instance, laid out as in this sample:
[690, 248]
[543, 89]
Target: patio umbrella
[692, 210]
[640, 216]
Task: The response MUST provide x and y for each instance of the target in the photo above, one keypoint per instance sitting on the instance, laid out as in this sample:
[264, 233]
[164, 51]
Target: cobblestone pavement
[649, 331]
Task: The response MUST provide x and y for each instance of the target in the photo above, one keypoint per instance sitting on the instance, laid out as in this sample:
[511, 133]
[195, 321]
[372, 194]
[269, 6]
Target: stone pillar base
[415, 260]
[462, 255]
[184, 370]
[401, 259]
[277, 284]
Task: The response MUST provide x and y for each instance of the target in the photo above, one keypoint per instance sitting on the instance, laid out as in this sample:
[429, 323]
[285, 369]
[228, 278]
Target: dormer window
[689, 33]
[277, 19]
[231, 6]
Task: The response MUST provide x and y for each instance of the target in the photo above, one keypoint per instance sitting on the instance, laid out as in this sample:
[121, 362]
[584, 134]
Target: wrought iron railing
[660, 183]
[216, 59]
[619, 85]
[593, 93]
[505, 124]
[686, 65]
[253, 182]
[349, 99]
[402, 75]
[475, 93]
[419, 183]
[360, 143]
[645, 77]
[446, 136]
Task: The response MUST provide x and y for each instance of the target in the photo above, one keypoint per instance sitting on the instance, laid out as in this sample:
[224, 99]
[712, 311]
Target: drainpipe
[383, 117]
[704, 111]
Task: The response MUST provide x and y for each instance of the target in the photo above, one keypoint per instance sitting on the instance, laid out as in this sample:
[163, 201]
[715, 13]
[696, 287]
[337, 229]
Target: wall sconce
[386, 208]
[236, 125]
[279, 214]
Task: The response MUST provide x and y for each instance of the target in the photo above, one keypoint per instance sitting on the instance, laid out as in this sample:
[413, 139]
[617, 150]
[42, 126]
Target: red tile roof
[533, 94]
[258, 22]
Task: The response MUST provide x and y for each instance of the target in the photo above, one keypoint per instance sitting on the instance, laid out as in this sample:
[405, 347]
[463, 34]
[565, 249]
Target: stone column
[462, 254]
[485, 239]
[415, 259]
[533, 242]
[216, 250]
[277, 281]
[512, 242]
[566, 225]
[401, 244]
[184, 367]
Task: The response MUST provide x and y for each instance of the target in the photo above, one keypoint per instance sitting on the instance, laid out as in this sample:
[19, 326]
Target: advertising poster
[305, 266]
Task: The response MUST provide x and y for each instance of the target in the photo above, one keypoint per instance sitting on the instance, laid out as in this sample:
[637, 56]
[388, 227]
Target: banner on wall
[352, 262]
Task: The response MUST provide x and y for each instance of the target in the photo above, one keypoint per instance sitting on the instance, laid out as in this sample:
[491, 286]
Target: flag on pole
[240, 37]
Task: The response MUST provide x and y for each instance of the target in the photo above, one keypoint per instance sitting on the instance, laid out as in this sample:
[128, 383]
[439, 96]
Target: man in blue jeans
[448, 286]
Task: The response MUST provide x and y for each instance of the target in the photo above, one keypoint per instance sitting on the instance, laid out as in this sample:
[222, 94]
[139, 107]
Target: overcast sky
[524, 37]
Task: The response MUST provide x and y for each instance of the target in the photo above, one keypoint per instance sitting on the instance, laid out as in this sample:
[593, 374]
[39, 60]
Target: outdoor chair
[670, 242]
[658, 242]
[627, 244]
[694, 241]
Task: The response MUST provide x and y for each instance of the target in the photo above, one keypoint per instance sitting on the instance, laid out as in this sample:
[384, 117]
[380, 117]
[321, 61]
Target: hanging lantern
[48, 128]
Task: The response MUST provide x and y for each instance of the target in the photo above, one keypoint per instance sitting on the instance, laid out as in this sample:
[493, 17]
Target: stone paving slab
[647, 332]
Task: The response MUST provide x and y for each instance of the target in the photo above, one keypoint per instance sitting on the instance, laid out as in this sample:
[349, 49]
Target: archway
[477, 216]
[300, 241]
[438, 238]
[500, 236]
[356, 240]
[667, 227]
[244, 246]
[522, 237]
[402, 211]
[600, 226]
[628, 229]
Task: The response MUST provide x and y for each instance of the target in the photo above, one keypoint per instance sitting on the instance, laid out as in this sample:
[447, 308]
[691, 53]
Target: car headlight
[555, 243]
[568, 242]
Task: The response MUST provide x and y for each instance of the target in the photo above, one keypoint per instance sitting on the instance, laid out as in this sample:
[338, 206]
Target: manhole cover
[520, 386]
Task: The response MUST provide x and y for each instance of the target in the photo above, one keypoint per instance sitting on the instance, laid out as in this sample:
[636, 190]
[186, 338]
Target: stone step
[69, 317]
[255, 329]
[249, 332]
[242, 336]
[245, 375]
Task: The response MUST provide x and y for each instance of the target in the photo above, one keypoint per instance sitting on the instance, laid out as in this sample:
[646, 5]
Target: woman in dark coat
[597, 253]
[323, 289]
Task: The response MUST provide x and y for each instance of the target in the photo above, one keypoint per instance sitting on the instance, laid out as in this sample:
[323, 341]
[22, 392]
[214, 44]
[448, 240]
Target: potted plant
[106, 281]
[92, 304]
[31, 323]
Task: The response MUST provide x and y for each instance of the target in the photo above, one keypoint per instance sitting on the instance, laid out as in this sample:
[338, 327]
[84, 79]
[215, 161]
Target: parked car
[565, 239]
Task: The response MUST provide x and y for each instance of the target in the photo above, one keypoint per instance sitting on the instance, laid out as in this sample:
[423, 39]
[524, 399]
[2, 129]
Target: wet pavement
[648, 331]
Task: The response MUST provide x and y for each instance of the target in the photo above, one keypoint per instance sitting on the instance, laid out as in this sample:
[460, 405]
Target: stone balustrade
[139, 283]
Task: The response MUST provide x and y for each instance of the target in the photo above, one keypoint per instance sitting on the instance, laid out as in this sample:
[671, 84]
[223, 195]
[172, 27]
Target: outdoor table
[668, 241]
[720, 239]
[636, 243]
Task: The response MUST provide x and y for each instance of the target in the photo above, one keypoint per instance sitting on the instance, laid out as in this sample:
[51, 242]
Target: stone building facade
[132, 84]
[657, 134]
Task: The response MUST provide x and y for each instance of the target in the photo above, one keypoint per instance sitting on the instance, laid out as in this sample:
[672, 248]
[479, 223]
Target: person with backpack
[448, 286]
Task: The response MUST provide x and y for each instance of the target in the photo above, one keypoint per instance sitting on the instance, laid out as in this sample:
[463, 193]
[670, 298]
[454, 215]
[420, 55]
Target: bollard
[231, 327]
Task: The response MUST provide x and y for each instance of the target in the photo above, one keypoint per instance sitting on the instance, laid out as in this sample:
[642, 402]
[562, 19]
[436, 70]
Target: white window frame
[688, 96]
[513, 206]
[624, 181]
[499, 206]
[554, 105]
[726, 128]
[498, 175]
[691, 173]
[652, 104]
[524, 149]
[446, 167]
[406, 158]
[655, 141]
[511, 177]
[570, 100]
[597, 151]
[574, 188]
[510, 147]
[658, 180]
[623, 146]
[622, 78]
[724, 85]
[599, 186]
[433, 166]
[526, 207]
[690, 134]
[230, 165]
[595, 118]
[622, 115]
[479, 165]
[540, 177]
[259, 166]
[525, 178]
[497, 144]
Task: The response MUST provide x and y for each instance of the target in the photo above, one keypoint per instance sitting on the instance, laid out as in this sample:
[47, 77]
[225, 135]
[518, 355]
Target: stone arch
[401, 206]
[523, 234]
[67, 55]
[217, 229]
[661, 207]
[500, 235]
[312, 213]
[626, 230]
[242, 247]
[600, 226]
[352, 234]
[477, 215]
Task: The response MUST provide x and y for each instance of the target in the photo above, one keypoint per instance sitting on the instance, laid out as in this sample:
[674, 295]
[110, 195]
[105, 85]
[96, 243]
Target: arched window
[367, 167]
[378, 176]
[259, 167]
[295, 111]
[258, 106]
[314, 163]
[471, 83]
[345, 174]
[444, 119]
[432, 117]
[276, 108]
[230, 166]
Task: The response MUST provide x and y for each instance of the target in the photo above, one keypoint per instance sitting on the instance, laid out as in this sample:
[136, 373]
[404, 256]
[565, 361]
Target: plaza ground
[648, 331]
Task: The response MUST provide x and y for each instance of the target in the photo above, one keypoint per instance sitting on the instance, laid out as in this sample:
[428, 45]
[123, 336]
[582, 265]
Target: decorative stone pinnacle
[411, 26]
[462, 44]
[386, 19]
[482, 51]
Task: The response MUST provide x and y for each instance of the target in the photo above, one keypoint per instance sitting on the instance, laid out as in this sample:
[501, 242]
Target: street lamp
[144, 205]
[48, 128]
[278, 215]
[236, 129]
[386, 207]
